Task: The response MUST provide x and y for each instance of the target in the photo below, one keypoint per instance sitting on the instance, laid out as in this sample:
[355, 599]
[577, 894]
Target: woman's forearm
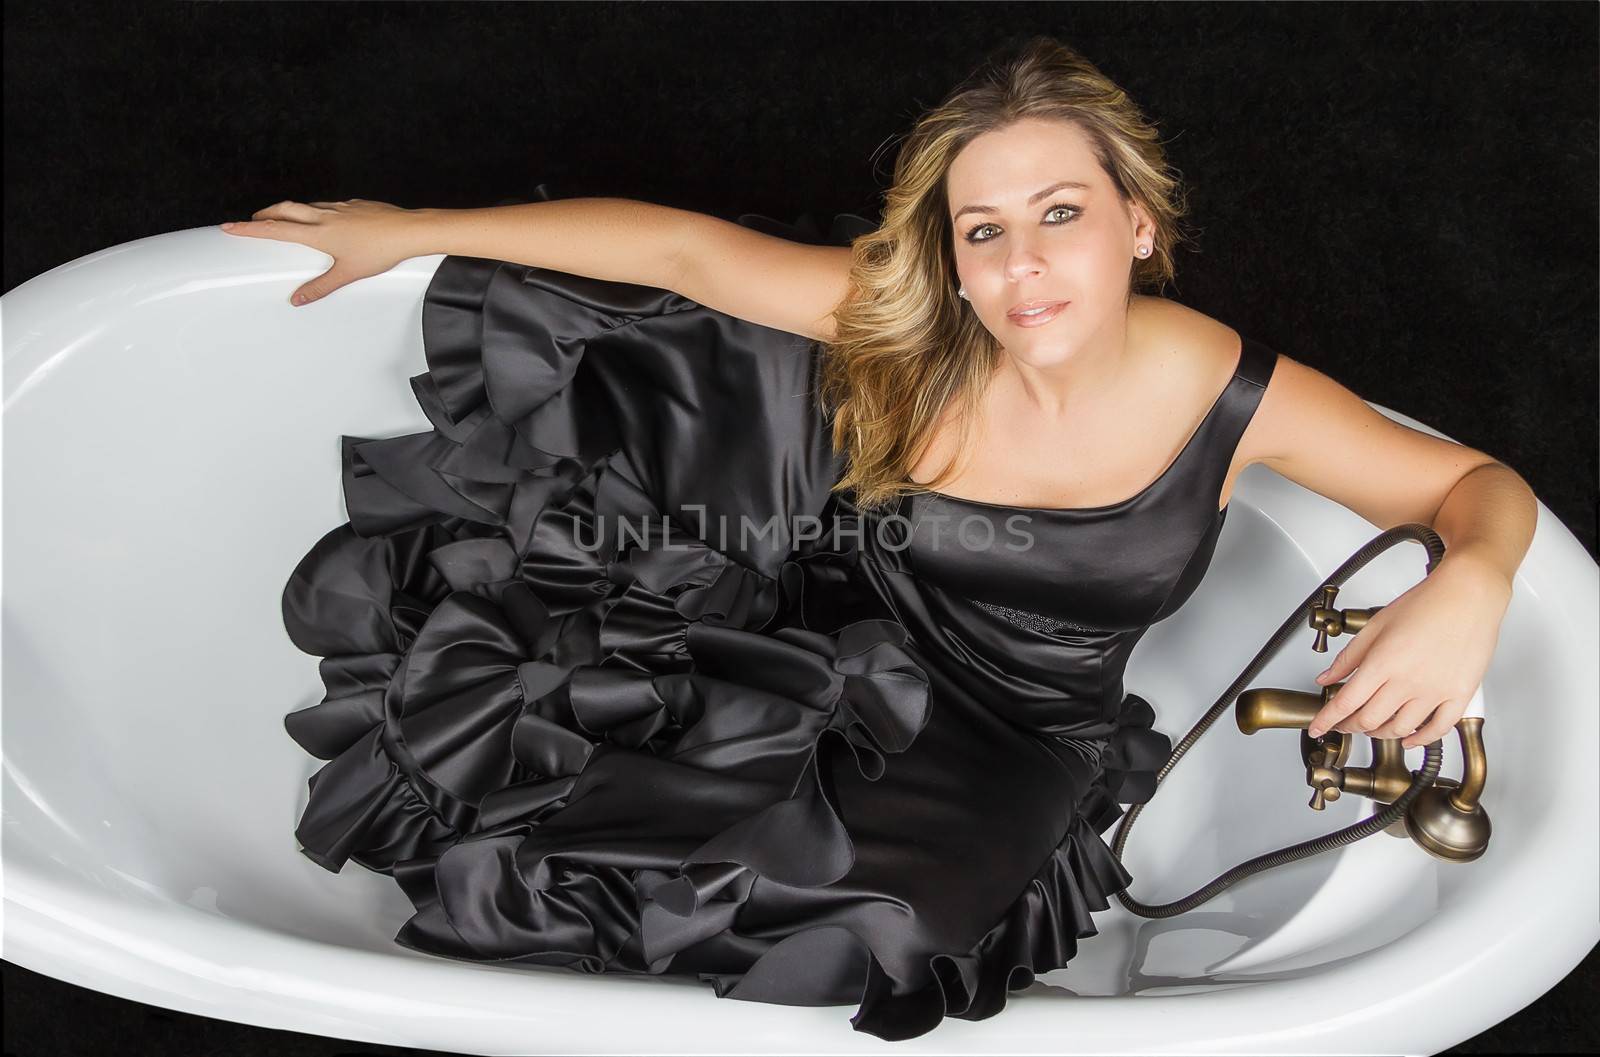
[618, 239]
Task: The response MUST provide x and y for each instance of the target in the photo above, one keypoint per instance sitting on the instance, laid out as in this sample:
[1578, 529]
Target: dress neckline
[1216, 405]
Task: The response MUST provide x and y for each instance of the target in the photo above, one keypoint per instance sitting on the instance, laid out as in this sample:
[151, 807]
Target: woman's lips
[1041, 318]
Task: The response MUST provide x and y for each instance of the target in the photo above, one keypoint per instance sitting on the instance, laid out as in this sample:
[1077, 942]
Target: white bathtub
[168, 462]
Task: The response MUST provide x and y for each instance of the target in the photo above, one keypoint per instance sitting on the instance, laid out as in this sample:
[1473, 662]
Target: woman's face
[1074, 243]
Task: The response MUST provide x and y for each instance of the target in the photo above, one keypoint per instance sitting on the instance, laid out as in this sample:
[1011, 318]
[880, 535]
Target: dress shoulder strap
[1249, 382]
[1255, 366]
[1234, 410]
[1219, 432]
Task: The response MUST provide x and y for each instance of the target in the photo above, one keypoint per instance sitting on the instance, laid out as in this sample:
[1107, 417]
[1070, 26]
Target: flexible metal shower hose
[1433, 753]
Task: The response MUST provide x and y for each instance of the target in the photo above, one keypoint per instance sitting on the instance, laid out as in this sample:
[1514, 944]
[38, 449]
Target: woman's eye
[1053, 209]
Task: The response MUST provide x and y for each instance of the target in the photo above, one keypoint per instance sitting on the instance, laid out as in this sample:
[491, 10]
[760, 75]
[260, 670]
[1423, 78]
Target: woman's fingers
[288, 210]
[323, 285]
[286, 221]
[282, 231]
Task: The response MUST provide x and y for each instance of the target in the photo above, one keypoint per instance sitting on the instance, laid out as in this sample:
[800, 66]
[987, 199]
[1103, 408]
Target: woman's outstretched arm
[760, 278]
[725, 266]
[618, 239]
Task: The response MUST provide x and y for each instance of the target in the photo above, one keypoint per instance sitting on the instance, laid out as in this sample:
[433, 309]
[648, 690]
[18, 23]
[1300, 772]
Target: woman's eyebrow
[1031, 198]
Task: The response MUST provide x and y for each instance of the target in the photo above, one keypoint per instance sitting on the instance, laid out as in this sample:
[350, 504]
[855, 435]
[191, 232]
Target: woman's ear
[1144, 228]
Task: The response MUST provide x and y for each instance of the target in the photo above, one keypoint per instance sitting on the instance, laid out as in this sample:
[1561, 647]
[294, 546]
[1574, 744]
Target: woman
[577, 747]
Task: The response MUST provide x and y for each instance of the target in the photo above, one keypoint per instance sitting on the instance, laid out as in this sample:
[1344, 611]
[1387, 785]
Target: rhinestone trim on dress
[1023, 618]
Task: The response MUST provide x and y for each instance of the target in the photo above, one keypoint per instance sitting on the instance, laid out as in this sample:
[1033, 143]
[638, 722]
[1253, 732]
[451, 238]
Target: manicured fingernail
[299, 299]
[229, 224]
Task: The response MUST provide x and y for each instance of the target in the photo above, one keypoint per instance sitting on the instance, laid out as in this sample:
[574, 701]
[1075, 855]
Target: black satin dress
[586, 720]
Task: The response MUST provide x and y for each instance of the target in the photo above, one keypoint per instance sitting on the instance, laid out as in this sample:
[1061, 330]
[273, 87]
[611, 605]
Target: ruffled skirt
[572, 746]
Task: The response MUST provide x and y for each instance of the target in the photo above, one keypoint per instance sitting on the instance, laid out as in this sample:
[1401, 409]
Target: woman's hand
[1420, 658]
[363, 238]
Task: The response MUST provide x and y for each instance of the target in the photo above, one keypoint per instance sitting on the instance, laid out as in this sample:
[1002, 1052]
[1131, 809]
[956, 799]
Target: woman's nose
[1024, 265]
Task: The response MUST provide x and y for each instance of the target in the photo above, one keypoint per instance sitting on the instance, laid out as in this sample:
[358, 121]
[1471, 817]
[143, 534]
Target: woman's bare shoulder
[1183, 342]
[1201, 354]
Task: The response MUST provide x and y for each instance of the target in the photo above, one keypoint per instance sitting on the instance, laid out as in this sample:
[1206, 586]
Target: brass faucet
[1446, 820]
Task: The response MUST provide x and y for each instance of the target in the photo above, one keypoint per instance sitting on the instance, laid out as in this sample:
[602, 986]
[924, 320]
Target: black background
[1400, 195]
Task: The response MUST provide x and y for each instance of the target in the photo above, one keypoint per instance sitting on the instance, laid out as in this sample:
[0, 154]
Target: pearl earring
[1144, 251]
[963, 293]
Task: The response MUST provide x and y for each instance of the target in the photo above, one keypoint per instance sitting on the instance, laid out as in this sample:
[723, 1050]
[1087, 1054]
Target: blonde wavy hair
[904, 346]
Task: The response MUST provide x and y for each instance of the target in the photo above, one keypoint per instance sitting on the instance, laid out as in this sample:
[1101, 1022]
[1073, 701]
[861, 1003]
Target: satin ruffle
[1133, 756]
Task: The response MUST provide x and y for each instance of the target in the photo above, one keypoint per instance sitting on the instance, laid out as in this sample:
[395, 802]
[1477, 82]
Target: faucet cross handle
[1328, 621]
[1324, 618]
[1326, 789]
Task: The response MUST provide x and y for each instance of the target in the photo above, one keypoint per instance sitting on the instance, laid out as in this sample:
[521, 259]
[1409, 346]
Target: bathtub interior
[172, 450]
